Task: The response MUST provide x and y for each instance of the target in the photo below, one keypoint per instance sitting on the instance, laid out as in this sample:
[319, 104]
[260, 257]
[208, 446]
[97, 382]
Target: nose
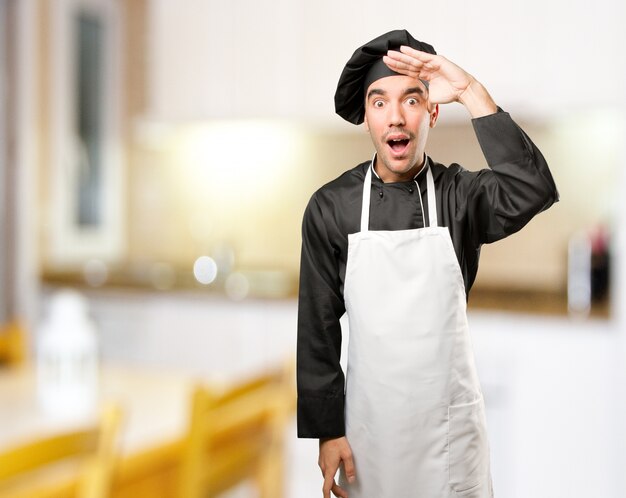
[396, 114]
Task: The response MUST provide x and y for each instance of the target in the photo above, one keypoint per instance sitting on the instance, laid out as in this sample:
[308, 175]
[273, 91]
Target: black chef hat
[366, 66]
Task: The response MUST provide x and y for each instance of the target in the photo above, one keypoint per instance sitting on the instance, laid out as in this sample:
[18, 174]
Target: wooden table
[155, 410]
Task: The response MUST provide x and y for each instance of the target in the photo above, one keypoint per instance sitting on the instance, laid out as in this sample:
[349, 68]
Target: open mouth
[398, 145]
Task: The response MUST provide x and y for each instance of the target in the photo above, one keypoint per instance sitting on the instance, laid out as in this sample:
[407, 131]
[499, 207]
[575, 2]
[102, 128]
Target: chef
[395, 243]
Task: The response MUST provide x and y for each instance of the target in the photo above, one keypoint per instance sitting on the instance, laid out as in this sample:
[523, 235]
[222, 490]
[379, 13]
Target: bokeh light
[205, 270]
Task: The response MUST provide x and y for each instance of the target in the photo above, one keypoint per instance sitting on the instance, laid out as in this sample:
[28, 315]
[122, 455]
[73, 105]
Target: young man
[395, 242]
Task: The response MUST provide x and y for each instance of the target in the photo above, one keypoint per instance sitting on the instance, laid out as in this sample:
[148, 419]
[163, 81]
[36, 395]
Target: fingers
[411, 62]
[412, 57]
[408, 67]
[400, 59]
[417, 54]
[329, 483]
[329, 478]
[338, 491]
[402, 68]
[348, 467]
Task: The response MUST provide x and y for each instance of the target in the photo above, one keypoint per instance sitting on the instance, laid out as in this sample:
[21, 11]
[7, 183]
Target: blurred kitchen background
[156, 157]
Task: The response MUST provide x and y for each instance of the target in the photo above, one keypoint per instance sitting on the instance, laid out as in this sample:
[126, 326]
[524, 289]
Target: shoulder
[453, 181]
[348, 179]
[447, 174]
[336, 205]
[343, 189]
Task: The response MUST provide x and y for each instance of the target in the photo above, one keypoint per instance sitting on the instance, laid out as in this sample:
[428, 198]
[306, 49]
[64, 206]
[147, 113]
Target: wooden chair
[94, 448]
[238, 435]
[12, 344]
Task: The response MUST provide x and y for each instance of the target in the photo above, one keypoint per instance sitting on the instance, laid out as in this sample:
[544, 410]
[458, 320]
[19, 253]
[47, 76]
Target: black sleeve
[518, 184]
[320, 379]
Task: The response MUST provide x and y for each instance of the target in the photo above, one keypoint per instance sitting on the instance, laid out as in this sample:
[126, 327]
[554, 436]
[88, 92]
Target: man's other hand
[333, 452]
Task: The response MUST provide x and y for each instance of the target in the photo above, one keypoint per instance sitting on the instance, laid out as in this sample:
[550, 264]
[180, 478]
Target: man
[395, 242]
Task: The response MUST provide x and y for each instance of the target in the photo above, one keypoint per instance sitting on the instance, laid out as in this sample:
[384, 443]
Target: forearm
[320, 377]
[517, 185]
[320, 409]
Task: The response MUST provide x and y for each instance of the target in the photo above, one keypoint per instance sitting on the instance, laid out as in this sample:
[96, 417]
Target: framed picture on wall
[86, 179]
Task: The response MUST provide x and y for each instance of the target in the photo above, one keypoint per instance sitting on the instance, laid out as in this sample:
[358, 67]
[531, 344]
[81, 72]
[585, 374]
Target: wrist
[477, 100]
[332, 438]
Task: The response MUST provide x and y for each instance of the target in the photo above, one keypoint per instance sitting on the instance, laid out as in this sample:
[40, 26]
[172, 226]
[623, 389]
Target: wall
[194, 192]
[187, 197]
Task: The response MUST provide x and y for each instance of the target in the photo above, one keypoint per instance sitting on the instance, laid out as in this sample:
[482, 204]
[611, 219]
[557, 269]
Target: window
[87, 196]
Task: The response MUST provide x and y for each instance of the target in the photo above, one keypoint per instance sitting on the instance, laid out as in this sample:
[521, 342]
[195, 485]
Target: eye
[412, 101]
[378, 103]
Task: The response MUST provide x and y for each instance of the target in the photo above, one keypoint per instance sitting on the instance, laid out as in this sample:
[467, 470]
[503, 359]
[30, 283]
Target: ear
[366, 124]
[434, 114]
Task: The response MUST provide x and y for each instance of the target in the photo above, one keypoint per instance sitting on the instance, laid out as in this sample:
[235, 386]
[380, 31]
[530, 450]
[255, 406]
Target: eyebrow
[375, 91]
[408, 91]
[415, 89]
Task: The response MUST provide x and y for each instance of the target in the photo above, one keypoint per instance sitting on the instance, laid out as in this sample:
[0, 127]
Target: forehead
[397, 84]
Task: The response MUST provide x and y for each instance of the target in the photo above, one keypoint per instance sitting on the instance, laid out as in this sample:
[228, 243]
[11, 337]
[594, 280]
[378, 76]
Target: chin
[399, 166]
[404, 167]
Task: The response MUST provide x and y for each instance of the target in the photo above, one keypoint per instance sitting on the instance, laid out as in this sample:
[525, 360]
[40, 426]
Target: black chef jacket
[477, 207]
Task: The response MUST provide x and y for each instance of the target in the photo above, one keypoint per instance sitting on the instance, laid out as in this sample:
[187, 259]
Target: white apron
[414, 409]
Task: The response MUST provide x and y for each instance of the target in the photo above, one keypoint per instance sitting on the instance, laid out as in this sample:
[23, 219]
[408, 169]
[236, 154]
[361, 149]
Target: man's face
[398, 117]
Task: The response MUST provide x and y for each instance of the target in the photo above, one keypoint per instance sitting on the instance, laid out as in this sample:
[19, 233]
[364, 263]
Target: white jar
[67, 357]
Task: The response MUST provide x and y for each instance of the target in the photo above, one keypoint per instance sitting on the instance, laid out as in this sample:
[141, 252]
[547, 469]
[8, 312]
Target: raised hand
[447, 82]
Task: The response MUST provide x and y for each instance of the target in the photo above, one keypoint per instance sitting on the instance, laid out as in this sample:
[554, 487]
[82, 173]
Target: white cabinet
[236, 59]
[282, 58]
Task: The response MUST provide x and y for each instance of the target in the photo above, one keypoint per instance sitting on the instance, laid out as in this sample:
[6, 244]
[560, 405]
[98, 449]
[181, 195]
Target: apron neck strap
[367, 190]
[432, 203]
[365, 205]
